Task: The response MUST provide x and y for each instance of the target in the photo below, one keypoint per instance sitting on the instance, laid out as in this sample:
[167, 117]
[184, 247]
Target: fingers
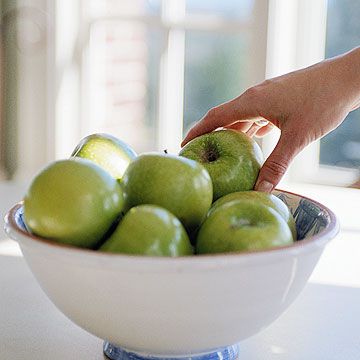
[264, 130]
[253, 130]
[241, 108]
[243, 126]
[277, 163]
[258, 128]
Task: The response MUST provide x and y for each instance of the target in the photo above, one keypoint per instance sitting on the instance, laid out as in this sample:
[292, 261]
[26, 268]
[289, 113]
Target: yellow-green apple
[232, 159]
[109, 152]
[258, 196]
[149, 230]
[180, 185]
[242, 225]
[73, 201]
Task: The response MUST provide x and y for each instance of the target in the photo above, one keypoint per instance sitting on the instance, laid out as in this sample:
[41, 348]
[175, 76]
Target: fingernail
[261, 122]
[264, 186]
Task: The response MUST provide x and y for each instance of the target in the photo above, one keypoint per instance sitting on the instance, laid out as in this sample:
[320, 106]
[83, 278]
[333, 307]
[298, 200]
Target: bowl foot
[117, 353]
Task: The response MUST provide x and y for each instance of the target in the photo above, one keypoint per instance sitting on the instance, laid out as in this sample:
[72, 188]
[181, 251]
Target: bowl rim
[317, 240]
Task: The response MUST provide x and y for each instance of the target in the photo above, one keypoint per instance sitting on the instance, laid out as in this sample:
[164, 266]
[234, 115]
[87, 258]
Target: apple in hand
[232, 159]
[264, 198]
[112, 154]
[149, 230]
[242, 225]
[73, 201]
[180, 185]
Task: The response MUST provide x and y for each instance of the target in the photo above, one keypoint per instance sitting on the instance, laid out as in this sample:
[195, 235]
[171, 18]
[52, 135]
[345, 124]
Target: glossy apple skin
[242, 226]
[180, 185]
[149, 230]
[237, 164]
[109, 152]
[266, 199]
[73, 201]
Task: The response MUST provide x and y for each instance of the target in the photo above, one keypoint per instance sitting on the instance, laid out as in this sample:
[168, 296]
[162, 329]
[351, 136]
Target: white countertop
[323, 323]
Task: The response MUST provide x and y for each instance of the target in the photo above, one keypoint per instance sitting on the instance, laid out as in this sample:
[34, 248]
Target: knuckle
[276, 168]
[255, 94]
[212, 113]
[259, 91]
[252, 93]
[266, 83]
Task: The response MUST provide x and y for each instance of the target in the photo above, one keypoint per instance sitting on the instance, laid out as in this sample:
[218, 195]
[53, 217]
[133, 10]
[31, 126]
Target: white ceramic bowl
[177, 306]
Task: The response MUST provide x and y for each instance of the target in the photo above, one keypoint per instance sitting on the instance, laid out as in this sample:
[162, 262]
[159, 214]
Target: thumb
[277, 163]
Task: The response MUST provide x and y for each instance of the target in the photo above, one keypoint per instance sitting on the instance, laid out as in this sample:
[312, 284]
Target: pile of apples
[106, 198]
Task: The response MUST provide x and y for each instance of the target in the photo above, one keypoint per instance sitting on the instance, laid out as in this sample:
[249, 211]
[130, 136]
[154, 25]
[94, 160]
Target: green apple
[242, 226]
[258, 196]
[110, 153]
[232, 159]
[180, 185]
[73, 201]
[149, 230]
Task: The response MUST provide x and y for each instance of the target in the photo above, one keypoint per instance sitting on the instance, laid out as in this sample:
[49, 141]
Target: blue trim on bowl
[117, 353]
[310, 219]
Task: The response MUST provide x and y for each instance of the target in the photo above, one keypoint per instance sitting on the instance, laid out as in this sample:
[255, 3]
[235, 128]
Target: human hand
[305, 105]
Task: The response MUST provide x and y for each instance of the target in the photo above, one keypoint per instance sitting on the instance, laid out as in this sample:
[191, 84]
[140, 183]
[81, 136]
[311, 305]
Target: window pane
[216, 68]
[122, 82]
[342, 146]
[239, 9]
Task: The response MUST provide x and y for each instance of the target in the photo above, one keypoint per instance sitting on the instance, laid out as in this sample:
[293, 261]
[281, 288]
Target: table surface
[323, 323]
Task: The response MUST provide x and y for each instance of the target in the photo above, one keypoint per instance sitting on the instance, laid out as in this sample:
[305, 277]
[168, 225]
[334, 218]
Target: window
[214, 74]
[146, 70]
[315, 29]
[141, 73]
[342, 147]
